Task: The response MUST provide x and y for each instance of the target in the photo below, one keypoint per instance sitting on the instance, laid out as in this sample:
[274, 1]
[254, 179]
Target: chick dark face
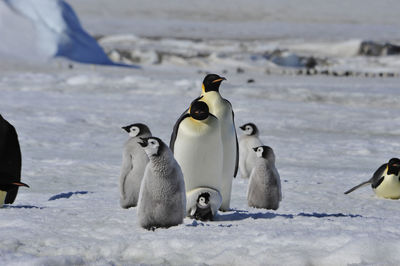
[212, 82]
[393, 166]
[199, 110]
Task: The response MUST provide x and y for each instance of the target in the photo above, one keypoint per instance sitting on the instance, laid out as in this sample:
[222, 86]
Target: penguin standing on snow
[248, 141]
[10, 163]
[162, 197]
[386, 180]
[7, 187]
[222, 109]
[264, 189]
[134, 161]
[197, 146]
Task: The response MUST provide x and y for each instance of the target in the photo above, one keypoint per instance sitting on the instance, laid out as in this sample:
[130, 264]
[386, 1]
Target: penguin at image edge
[386, 180]
[10, 163]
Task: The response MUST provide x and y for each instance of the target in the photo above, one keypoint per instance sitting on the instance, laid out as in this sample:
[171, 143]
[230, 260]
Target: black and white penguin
[202, 211]
[197, 146]
[386, 180]
[162, 197]
[6, 187]
[264, 189]
[222, 109]
[10, 162]
[134, 161]
[248, 141]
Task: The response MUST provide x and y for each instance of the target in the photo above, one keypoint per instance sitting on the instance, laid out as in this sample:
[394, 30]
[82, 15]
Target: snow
[328, 134]
[58, 30]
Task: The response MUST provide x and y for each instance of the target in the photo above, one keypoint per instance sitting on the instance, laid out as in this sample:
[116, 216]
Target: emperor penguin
[197, 146]
[248, 141]
[10, 161]
[134, 161]
[264, 189]
[386, 180]
[162, 198]
[222, 109]
[6, 187]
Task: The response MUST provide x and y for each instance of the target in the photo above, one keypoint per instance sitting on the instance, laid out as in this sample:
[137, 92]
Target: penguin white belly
[389, 188]
[223, 111]
[3, 195]
[251, 155]
[198, 150]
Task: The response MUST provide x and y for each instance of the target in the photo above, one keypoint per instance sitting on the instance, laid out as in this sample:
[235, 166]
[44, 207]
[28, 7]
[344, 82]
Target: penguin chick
[264, 189]
[203, 211]
[10, 159]
[162, 198]
[248, 141]
[6, 187]
[386, 180]
[222, 109]
[134, 161]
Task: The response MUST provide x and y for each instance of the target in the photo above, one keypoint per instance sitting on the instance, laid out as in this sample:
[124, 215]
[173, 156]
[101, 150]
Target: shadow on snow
[67, 195]
[239, 215]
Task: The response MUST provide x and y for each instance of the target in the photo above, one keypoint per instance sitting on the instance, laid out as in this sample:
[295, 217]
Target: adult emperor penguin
[264, 189]
[222, 109]
[7, 187]
[197, 146]
[248, 141]
[10, 162]
[134, 161]
[162, 197]
[386, 180]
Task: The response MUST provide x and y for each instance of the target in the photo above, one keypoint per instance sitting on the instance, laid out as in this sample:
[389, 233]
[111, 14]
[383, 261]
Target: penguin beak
[20, 184]
[144, 142]
[218, 80]
[125, 128]
[254, 149]
[243, 127]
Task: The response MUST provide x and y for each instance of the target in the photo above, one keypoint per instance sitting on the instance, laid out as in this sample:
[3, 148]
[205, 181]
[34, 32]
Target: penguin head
[203, 199]
[249, 129]
[212, 82]
[393, 166]
[199, 110]
[265, 152]
[152, 146]
[137, 129]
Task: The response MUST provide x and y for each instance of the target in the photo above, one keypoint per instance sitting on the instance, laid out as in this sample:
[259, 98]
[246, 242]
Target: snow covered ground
[328, 133]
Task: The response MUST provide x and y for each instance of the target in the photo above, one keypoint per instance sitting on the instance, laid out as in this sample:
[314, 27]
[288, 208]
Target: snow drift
[58, 31]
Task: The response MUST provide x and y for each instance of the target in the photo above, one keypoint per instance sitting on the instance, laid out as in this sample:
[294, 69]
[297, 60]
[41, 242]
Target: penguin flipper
[358, 186]
[237, 146]
[377, 179]
[176, 127]
[12, 166]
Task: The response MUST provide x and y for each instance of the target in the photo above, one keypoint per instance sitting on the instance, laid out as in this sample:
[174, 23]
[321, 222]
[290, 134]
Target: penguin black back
[10, 158]
[212, 82]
